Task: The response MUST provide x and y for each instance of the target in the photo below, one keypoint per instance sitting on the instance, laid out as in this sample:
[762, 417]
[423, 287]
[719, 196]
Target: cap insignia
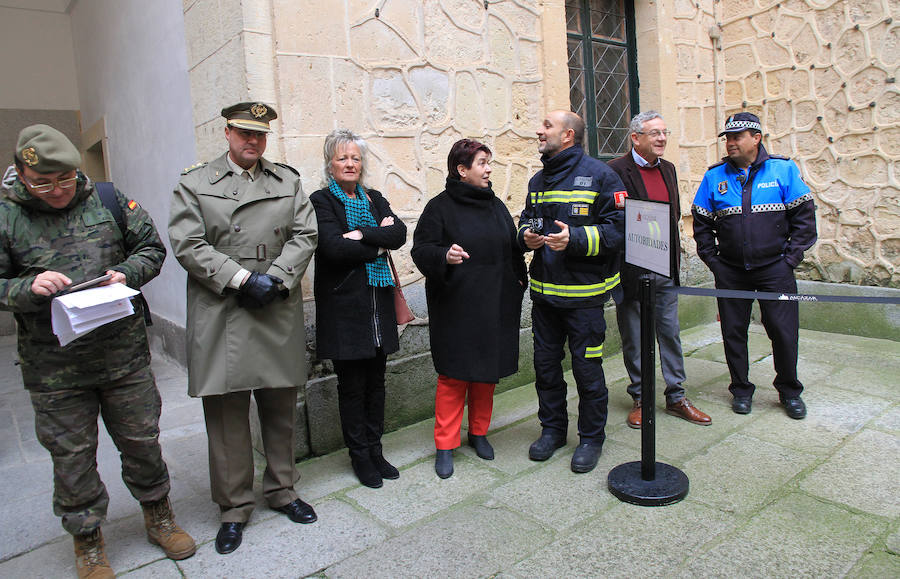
[258, 110]
[29, 155]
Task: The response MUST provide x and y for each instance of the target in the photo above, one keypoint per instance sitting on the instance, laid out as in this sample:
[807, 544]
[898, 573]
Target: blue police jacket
[753, 219]
[582, 192]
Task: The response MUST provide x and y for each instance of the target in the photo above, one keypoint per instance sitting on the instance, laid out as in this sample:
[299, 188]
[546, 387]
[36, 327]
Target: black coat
[346, 305]
[474, 307]
[630, 174]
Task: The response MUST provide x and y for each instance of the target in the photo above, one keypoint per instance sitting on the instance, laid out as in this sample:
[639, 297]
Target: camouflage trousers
[66, 425]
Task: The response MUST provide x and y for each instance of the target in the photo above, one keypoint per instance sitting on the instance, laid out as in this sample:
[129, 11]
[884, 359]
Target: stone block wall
[821, 75]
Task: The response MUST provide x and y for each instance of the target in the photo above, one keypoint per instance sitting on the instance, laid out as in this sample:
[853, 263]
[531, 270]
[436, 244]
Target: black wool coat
[348, 309]
[630, 174]
[474, 307]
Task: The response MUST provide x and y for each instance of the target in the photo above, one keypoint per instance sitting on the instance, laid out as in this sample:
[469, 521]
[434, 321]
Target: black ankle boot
[386, 469]
[481, 445]
[365, 470]
[443, 463]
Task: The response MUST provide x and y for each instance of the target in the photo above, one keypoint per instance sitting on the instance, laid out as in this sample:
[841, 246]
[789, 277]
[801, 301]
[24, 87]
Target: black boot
[365, 469]
[481, 445]
[386, 469]
[443, 463]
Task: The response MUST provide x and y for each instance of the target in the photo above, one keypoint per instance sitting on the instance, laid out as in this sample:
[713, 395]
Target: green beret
[45, 150]
[252, 116]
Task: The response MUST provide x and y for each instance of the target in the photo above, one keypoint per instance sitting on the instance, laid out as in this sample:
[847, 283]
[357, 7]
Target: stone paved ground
[769, 496]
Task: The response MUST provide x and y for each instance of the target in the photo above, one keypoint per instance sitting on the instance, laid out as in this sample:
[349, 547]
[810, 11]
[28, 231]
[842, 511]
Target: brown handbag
[401, 308]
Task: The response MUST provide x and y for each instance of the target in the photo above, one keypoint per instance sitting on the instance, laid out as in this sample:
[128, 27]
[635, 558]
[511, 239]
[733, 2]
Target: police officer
[55, 230]
[753, 219]
[244, 230]
[574, 223]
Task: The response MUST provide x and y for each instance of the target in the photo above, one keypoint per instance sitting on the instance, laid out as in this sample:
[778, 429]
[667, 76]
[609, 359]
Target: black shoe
[365, 471]
[443, 463]
[794, 407]
[386, 469]
[298, 511]
[481, 445]
[544, 447]
[585, 457]
[741, 404]
[229, 537]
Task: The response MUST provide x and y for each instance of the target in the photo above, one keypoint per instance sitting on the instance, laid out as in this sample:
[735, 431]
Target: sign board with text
[647, 239]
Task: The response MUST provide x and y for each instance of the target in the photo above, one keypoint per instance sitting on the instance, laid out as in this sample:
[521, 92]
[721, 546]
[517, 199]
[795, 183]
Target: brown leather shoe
[634, 417]
[684, 409]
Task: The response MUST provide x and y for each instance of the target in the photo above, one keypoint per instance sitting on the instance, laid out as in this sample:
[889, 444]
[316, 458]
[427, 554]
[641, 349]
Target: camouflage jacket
[81, 241]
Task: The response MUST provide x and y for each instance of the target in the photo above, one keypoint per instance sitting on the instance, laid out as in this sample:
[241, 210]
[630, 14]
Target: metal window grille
[603, 82]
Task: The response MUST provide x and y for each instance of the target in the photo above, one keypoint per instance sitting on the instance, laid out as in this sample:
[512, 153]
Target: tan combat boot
[162, 530]
[90, 557]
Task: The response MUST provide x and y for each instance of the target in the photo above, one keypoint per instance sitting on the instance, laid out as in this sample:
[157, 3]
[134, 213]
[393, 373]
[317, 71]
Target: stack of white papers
[77, 313]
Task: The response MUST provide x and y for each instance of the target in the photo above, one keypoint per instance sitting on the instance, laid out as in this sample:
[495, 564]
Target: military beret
[45, 150]
[252, 116]
[742, 122]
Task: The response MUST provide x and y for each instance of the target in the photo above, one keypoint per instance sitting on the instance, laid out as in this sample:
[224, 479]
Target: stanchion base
[670, 485]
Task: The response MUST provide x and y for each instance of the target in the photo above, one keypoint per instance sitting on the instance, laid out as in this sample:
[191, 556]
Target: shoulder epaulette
[192, 168]
[715, 165]
[288, 167]
[782, 157]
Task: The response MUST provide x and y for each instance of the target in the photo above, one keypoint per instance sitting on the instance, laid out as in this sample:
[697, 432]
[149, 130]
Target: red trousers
[449, 402]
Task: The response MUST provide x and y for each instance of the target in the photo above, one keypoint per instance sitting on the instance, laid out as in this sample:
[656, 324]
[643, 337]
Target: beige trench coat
[269, 228]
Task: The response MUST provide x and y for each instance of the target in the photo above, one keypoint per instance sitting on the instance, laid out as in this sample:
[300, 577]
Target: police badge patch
[580, 210]
[723, 187]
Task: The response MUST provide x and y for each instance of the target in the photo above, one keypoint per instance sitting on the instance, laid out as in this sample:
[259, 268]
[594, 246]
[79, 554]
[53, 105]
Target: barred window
[603, 85]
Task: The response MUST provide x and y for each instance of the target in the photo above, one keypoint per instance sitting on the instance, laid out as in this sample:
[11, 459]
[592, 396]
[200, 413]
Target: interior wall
[131, 64]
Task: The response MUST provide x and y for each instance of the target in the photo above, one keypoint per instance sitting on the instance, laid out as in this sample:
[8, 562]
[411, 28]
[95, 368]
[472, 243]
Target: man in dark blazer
[648, 176]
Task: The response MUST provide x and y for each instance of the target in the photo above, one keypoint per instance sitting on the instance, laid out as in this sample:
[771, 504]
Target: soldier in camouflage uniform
[53, 230]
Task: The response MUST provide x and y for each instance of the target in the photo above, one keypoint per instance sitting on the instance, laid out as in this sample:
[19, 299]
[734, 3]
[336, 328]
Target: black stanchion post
[647, 482]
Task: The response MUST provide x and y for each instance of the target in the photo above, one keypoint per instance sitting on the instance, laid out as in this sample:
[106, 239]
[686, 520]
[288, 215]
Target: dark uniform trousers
[361, 402]
[781, 320]
[65, 422]
[585, 329]
[231, 449]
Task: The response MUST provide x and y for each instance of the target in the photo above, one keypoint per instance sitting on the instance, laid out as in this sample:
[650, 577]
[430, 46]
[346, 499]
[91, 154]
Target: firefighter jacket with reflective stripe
[750, 219]
[581, 192]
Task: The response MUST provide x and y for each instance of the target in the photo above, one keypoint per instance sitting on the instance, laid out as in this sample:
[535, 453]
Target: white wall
[36, 61]
[131, 65]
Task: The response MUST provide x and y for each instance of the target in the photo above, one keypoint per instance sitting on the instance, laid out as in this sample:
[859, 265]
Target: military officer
[54, 229]
[244, 230]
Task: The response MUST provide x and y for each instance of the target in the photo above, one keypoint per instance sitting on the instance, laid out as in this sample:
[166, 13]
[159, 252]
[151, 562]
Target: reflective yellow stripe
[575, 291]
[594, 351]
[593, 240]
[579, 196]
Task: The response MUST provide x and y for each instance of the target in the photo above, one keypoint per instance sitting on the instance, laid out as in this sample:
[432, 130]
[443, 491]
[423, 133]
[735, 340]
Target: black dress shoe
[481, 445]
[544, 447]
[794, 407]
[386, 469]
[229, 537]
[741, 404]
[366, 472]
[585, 457]
[298, 511]
[443, 463]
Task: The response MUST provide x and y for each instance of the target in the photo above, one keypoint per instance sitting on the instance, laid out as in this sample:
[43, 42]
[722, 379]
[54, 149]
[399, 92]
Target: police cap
[742, 122]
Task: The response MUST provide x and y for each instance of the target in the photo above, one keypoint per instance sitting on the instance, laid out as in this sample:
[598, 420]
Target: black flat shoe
[585, 457]
[229, 537]
[443, 463]
[544, 447]
[299, 512]
[481, 445]
[386, 469]
[365, 471]
[794, 407]
[741, 404]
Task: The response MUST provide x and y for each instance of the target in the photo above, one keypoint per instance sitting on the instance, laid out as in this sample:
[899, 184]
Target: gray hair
[334, 141]
[637, 123]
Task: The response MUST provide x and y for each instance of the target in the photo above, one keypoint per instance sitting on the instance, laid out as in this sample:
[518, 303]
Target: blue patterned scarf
[359, 215]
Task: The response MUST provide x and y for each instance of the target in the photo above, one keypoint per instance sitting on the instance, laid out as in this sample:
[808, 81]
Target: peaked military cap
[46, 150]
[742, 122]
[252, 116]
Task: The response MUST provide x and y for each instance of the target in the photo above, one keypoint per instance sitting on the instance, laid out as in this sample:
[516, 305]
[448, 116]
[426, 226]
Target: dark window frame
[588, 41]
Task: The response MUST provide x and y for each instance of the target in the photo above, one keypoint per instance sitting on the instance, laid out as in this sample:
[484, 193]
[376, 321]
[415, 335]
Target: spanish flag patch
[132, 205]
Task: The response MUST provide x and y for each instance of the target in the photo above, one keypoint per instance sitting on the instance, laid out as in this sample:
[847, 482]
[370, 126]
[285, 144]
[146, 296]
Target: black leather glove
[258, 291]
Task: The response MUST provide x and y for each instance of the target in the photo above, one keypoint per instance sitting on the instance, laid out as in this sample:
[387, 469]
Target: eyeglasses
[655, 133]
[64, 184]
